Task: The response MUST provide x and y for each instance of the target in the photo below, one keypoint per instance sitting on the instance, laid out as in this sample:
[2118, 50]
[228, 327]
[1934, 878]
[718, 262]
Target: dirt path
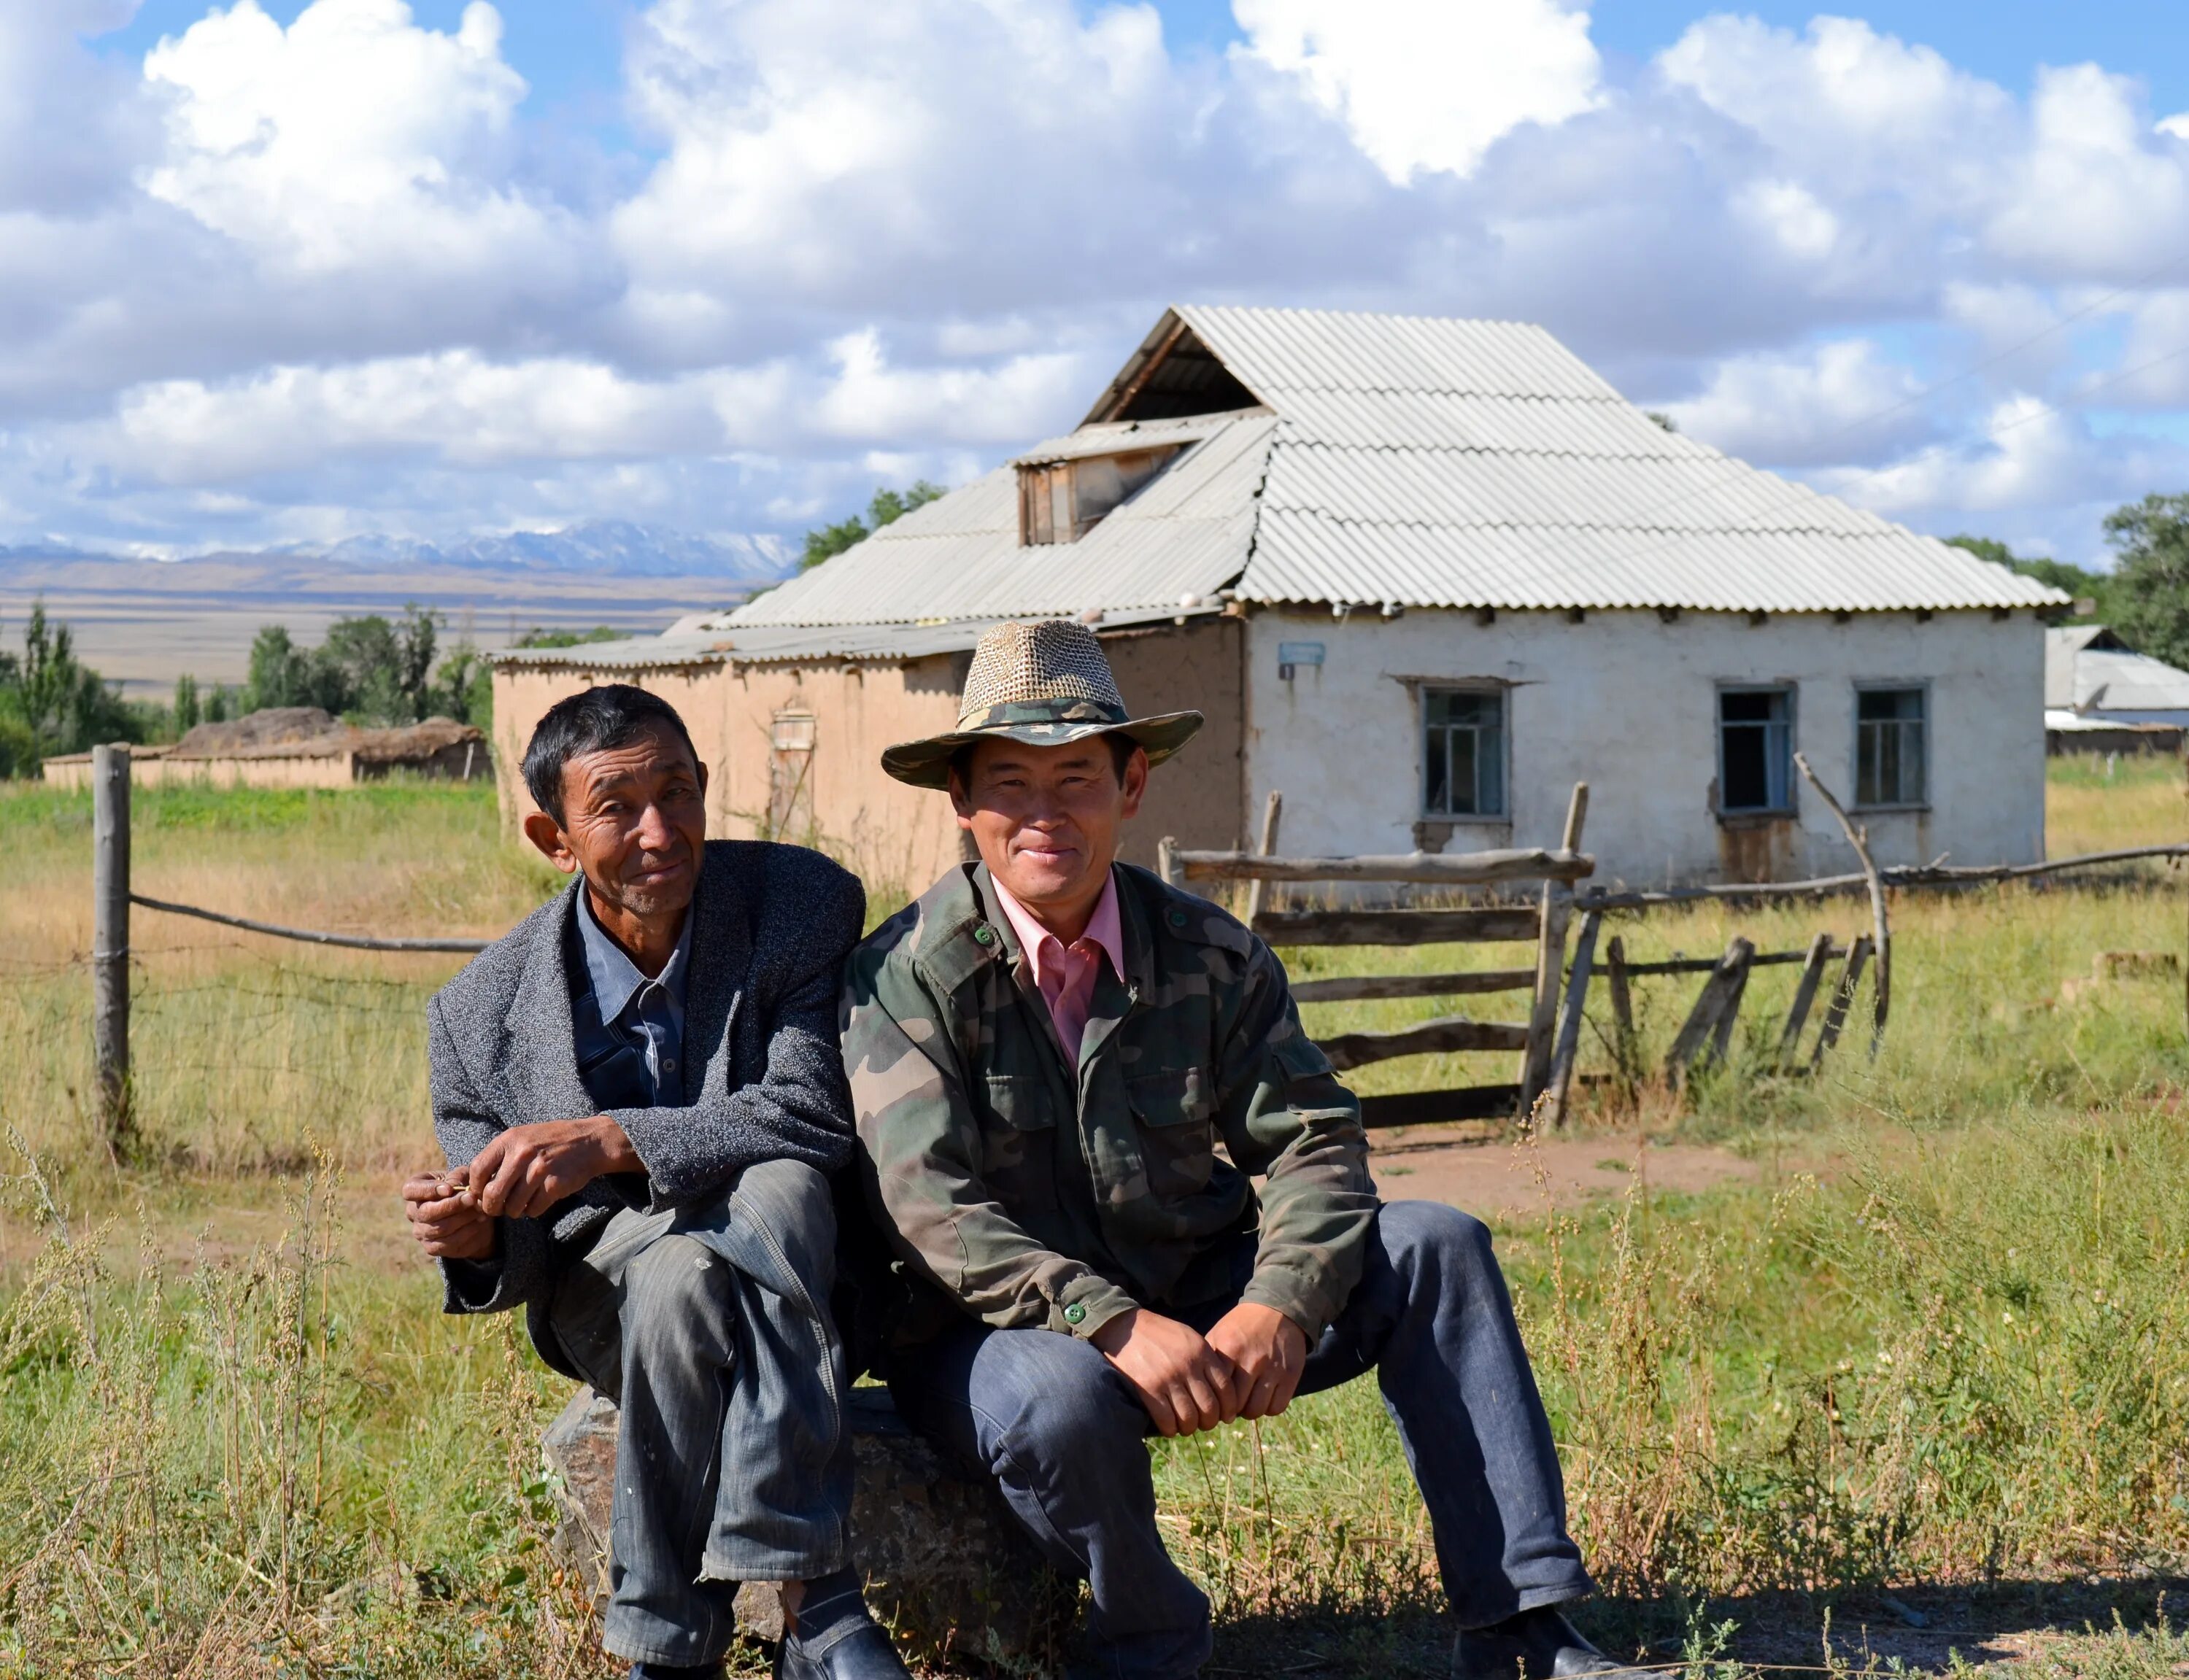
[1468, 1166]
[184, 1222]
[1494, 1178]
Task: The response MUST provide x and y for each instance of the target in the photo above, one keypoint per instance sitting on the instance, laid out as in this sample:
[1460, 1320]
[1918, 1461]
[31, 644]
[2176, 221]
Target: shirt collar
[616, 978]
[1105, 928]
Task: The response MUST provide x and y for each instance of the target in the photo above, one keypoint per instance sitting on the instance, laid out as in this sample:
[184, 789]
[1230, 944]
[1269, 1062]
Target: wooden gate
[1539, 921]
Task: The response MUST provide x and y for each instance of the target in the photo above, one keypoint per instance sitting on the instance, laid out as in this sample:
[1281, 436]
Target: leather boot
[858, 1650]
[1538, 1644]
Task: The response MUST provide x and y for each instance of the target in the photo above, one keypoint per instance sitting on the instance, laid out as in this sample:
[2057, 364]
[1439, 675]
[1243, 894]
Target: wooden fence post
[1805, 997]
[1721, 1042]
[1842, 1000]
[1879, 929]
[1257, 891]
[1623, 1049]
[109, 938]
[1569, 1044]
[1166, 861]
[1720, 994]
[1557, 908]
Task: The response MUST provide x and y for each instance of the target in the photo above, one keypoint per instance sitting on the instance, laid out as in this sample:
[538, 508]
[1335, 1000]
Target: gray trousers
[709, 1325]
[1065, 1438]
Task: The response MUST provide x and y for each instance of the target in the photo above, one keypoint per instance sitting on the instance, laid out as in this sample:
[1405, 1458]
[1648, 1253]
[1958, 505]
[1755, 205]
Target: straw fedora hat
[1044, 684]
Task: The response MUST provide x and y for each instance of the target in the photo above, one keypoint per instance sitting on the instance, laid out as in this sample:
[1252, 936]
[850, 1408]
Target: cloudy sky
[277, 271]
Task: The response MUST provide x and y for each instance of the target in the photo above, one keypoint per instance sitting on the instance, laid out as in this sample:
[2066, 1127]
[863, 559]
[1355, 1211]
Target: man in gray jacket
[639, 1093]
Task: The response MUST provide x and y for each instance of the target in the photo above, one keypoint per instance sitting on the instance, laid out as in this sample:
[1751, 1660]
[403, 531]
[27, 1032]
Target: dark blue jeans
[1065, 1436]
[709, 1325]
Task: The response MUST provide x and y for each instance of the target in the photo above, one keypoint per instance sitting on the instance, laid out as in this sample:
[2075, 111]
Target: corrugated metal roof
[1431, 420]
[1276, 352]
[1124, 436]
[1453, 486]
[2089, 670]
[1310, 557]
[718, 641]
[1416, 461]
[1186, 533]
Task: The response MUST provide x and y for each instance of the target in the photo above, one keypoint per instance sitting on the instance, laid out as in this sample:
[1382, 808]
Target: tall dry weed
[196, 1507]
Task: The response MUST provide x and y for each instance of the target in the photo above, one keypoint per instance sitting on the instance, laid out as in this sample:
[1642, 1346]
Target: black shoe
[858, 1650]
[1537, 1644]
[658, 1671]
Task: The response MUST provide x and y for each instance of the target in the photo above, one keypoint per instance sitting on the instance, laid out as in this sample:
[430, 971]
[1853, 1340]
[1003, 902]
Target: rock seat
[945, 1563]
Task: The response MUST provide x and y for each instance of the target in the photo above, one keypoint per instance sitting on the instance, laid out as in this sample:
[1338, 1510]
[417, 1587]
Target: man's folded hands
[1249, 1365]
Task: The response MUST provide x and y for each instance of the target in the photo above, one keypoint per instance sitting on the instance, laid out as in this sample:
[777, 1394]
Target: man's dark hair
[1120, 754]
[595, 721]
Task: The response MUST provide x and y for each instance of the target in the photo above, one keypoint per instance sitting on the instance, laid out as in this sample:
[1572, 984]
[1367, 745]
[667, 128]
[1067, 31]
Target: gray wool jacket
[773, 926]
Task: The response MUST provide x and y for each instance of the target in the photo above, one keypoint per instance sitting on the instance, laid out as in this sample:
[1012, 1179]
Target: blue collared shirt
[629, 1030]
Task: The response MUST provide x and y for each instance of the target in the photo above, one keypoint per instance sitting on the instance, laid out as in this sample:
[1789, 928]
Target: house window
[1891, 751]
[1463, 752]
[1755, 749]
[1061, 501]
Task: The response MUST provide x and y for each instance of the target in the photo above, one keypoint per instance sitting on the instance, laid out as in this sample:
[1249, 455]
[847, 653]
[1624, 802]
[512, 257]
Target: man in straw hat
[1045, 1052]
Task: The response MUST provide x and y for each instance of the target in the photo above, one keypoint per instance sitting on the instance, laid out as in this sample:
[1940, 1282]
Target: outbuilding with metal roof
[1422, 575]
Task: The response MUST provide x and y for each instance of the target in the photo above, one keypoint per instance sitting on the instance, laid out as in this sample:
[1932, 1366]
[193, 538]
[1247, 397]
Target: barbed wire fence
[110, 951]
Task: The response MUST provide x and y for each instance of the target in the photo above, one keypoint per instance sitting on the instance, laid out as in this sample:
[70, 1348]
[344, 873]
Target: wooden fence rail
[1361, 988]
[1395, 927]
[1421, 868]
[1900, 877]
[1438, 1037]
[1705, 965]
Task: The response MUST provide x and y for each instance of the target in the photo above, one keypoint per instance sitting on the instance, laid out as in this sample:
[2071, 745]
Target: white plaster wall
[1628, 703]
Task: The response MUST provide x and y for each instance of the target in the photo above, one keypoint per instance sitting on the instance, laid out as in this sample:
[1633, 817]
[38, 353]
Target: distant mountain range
[601, 548]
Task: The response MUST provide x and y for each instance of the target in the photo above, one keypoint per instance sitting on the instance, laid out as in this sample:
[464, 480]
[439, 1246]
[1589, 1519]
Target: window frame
[1861, 685]
[1053, 511]
[1478, 685]
[1792, 807]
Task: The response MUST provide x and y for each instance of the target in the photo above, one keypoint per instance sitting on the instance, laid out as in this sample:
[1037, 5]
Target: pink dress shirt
[1064, 976]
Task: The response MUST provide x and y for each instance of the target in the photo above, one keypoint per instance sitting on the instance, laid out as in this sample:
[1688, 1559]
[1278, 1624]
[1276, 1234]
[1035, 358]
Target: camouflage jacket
[1033, 1199]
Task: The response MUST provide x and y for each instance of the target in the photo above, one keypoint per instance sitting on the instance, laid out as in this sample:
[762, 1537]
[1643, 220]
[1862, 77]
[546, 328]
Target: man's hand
[447, 1223]
[527, 1170]
[1183, 1381]
[1268, 1356]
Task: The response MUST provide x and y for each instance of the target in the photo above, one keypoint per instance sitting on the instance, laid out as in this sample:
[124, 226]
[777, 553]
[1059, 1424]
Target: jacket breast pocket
[1018, 1141]
[1176, 1109]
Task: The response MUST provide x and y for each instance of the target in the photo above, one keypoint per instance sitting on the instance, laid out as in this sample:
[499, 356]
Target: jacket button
[1076, 1313]
[984, 935]
[1178, 918]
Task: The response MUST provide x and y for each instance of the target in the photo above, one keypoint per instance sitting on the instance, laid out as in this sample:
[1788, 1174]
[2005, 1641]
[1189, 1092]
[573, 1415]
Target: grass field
[1935, 1355]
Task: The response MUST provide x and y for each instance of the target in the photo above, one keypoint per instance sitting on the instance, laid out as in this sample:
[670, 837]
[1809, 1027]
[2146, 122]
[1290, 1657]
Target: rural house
[295, 747]
[1423, 576]
[2101, 696]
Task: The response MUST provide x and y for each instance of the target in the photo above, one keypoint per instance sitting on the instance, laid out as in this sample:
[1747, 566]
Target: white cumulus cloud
[1429, 85]
[1840, 401]
[352, 138]
[344, 273]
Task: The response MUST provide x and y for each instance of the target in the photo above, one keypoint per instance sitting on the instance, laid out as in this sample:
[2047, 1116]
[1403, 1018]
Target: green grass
[1941, 1340]
[1994, 1002]
[248, 1053]
[271, 1465]
[1958, 1358]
